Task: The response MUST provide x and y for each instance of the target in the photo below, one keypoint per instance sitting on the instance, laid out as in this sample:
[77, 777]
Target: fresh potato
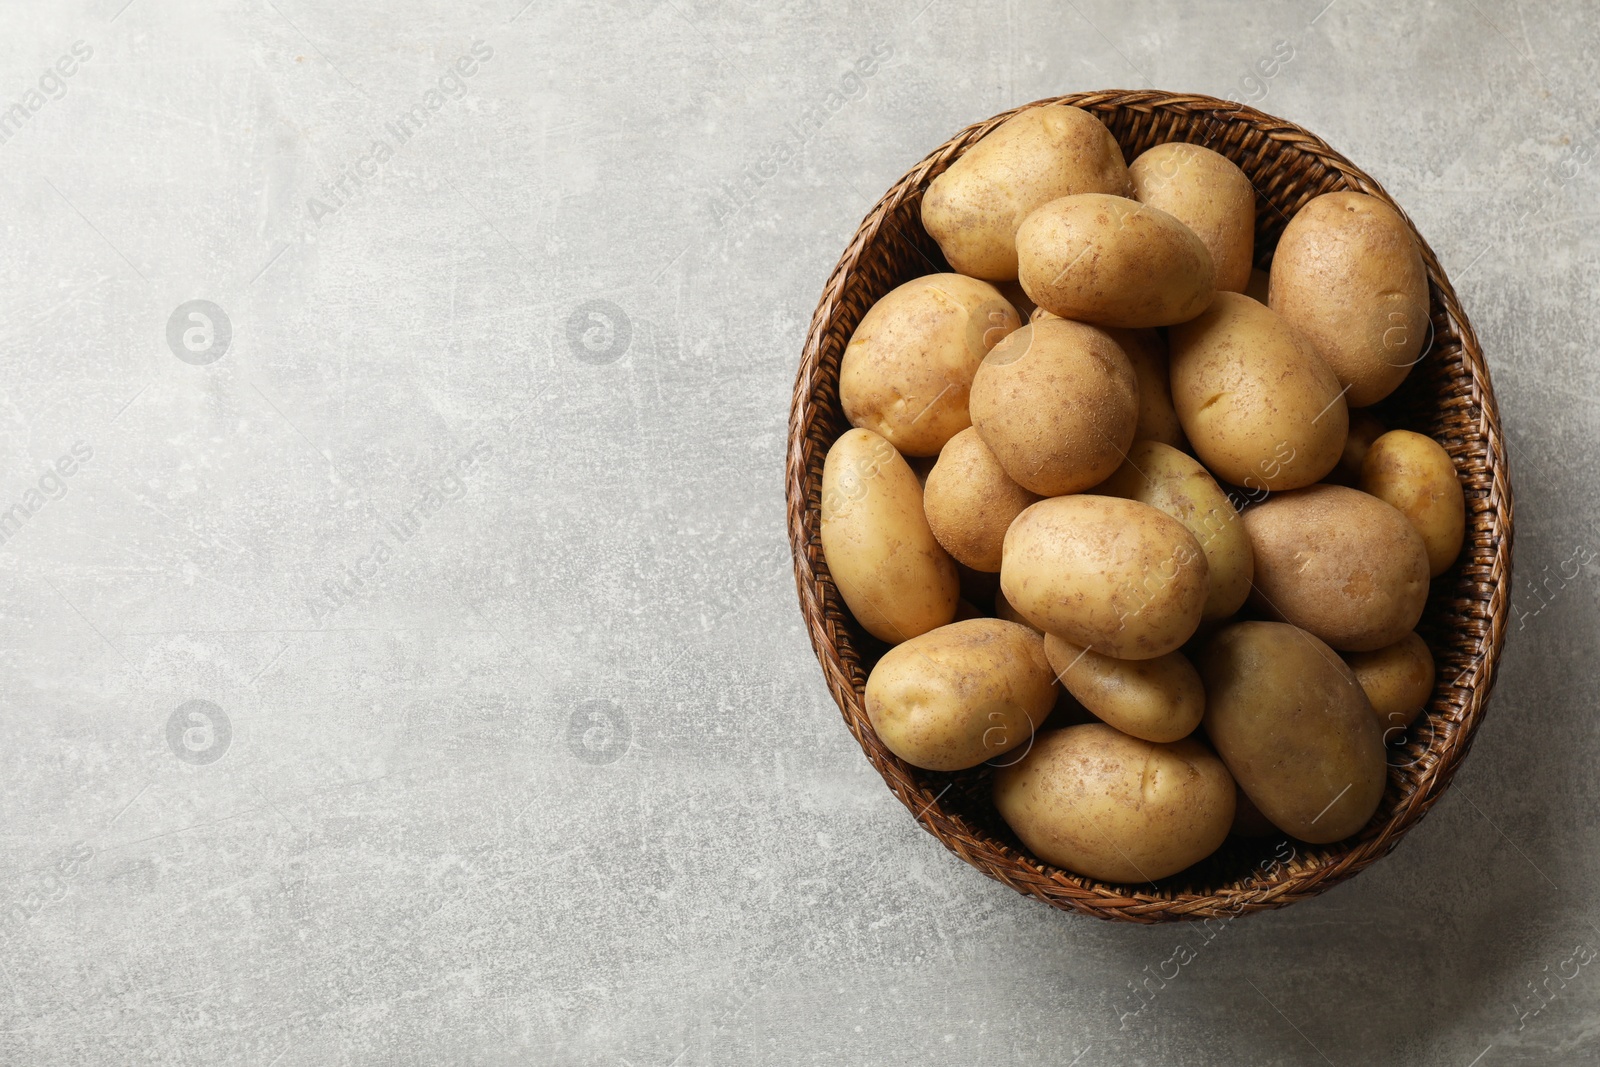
[1398, 680]
[1364, 429]
[1057, 403]
[1158, 421]
[1113, 807]
[974, 208]
[1111, 261]
[1339, 563]
[906, 372]
[892, 574]
[1414, 474]
[1257, 289]
[961, 694]
[970, 501]
[1175, 483]
[1288, 718]
[1261, 410]
[1158, 700]
[1116, 575]
[1349, 276]
[1210, 195]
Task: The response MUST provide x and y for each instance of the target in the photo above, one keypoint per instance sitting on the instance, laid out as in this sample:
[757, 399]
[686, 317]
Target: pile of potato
[1158, 483]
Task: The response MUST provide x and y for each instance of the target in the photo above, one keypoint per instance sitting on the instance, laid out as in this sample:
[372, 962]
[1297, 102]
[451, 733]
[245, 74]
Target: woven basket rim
[1480, 589]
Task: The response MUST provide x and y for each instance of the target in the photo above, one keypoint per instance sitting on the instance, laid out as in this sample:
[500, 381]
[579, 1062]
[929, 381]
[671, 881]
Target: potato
[1414, 474]
[961, 694]
[906, 372]
[1175, 483]
[1398, 680]
[1257, 289]
[1364, 429]
[1288, 718]
[1111, 261]
[970, 501]
[892, 574]
[1113, 807]
[1261, 410]
[974, 208]
[1158, 700]
[1348, 275]
[1210, 195]
[1338, 563]
[1157, 421]
[1057, 403]
[1116, 575]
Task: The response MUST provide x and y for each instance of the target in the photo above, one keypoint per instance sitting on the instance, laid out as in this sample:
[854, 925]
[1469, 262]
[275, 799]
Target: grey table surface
[399, 655]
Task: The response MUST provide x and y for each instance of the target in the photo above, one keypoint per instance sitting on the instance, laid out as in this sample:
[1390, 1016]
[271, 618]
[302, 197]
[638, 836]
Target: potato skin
[1115, 575]
[964, 693]
[1349, 276]
[970, 501]
[1210, 195]
[1414, 474]
[1057, 403]
[908, 367]
[1092, 800]
[1158, 420]
[974, 208]
[1111, 261]
[1261, 410]
[1340, 564]
[1292, 724]
[1398, 680]
[1175, 483]
[892, 574]
[1159, 700]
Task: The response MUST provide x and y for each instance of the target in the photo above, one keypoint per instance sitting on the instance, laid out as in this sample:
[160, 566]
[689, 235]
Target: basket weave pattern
[1447, 396]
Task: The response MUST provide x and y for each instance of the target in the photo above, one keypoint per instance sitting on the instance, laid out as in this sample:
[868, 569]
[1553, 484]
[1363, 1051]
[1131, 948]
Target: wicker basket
[1447, 396]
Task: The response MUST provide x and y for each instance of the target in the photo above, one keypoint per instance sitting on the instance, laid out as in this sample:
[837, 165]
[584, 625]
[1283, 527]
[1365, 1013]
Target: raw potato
[1116, 575]
[907, 369]
[1261, 410]
[1112, 261]
[961, 694]
[1397, 679]
[1158, 700]
[1415, 475]
[1112, 807]
[1057, 403]
[1339, 563]
[1288, 718]
[1210, 195]
[1364, 429]
[1175, 483]
[974, 208]
[970, 501]
[1349, 276]
[894, 577]
[1158, 421]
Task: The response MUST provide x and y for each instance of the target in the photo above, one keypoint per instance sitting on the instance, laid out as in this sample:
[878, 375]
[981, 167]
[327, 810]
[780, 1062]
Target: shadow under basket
[1447, 396]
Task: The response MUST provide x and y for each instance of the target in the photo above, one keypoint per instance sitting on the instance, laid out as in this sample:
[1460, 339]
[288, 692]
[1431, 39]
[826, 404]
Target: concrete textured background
[400, 663]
